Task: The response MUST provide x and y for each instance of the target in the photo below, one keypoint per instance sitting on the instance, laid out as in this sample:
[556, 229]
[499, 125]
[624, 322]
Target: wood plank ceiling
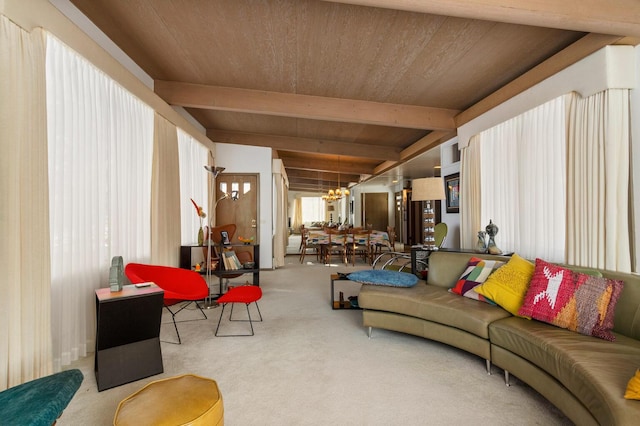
[354, 88]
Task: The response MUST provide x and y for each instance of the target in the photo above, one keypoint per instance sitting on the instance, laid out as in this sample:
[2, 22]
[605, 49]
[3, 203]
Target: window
[312, 209]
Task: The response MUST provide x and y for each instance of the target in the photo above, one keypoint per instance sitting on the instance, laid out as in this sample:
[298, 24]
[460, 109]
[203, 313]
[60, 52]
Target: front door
[243, 211]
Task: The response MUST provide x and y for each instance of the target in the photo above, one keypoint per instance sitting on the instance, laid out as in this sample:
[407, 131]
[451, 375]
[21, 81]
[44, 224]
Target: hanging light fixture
[332, 195]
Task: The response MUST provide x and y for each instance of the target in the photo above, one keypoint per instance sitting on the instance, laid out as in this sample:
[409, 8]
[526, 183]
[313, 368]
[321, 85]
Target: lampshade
[427, 189]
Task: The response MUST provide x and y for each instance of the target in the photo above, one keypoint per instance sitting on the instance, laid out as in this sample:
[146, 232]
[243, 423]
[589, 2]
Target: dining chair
[302, 233]
[391, 231]
[361, 246]
[307, 244]
[440, 232]
[336, 245]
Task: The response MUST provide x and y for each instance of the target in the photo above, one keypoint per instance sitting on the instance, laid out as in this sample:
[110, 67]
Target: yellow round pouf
[181, 400]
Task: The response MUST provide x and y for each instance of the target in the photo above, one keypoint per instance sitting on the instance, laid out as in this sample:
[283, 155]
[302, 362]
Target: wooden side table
[127, 335]
[340, 303]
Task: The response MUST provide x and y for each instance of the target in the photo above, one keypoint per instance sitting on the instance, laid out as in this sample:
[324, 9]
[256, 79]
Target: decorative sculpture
[492, 230]
[481, 245]
[116, 274]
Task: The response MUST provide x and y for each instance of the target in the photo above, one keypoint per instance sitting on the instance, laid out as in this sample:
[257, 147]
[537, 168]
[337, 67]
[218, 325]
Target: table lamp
[428, 189]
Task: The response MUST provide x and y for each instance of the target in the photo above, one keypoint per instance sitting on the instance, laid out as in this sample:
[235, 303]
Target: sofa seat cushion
[432, 303]
[596, 371]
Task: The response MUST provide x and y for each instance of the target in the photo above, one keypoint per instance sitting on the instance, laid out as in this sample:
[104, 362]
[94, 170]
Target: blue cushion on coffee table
[383, 277]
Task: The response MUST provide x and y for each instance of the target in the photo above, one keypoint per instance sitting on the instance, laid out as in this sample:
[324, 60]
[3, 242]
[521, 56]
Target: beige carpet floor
[310, 365]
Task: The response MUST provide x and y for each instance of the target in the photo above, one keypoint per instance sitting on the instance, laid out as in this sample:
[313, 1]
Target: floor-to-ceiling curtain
[280, 231]
[523, 181]
[470, 194]
[598, 233]
[193, 156]
[297, 213]
[165, 195]
[25, 322]
[100, 142]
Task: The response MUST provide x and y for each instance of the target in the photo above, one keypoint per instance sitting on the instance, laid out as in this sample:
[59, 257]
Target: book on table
[231, 261]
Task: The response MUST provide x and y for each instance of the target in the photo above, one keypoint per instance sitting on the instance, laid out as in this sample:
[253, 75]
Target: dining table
[323, 239]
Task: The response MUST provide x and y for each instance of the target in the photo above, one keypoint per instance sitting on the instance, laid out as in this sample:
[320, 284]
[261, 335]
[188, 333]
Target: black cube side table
[127, 335]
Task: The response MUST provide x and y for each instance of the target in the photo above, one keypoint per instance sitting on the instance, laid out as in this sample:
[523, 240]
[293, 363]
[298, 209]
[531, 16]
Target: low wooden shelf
[220, 271]
[340, 303]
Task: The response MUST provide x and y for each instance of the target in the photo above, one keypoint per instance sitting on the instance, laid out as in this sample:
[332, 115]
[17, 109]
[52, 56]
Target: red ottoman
[246, 294]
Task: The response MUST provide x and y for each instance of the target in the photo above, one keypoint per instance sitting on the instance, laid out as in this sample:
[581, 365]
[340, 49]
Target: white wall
[251, 159]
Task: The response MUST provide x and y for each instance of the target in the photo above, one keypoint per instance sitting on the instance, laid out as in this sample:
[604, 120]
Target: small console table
[127, 335]
[420, 257]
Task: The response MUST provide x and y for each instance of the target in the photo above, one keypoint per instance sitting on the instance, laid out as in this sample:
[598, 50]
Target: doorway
[243, 211]
[375, 210]
[399, 217]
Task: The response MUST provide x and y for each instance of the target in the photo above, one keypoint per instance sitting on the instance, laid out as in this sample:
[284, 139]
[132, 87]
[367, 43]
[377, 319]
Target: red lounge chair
[179, 285]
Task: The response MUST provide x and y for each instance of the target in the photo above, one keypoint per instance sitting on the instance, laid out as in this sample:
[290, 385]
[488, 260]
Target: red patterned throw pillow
[575, 301]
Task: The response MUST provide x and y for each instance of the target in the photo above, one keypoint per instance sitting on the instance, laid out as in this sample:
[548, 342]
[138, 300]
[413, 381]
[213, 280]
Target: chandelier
[335, 195]
[338, 193]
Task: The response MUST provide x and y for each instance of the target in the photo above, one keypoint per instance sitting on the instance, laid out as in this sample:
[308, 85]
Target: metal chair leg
[231, 319]
[173, 318]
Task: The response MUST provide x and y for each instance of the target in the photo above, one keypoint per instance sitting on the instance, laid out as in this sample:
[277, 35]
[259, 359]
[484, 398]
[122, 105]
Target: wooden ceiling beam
[424, 144]
[310, 175]
[304, 106]
[306, 145]
[320, 185]
[561, 60]
[310, 186]
[323, 166]
[620, 17]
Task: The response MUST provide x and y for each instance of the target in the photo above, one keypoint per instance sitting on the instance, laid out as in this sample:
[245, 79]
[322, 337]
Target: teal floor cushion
[40, 401]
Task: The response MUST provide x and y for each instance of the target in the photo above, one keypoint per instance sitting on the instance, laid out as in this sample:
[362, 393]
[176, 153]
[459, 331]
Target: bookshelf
[189, 255]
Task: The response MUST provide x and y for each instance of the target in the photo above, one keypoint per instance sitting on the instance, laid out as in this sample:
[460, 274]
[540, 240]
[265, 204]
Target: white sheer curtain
[100, 154]
[25, 323]
[280, 229]
[598, 186]
[297, 213]
[193, 156]
[523, 181]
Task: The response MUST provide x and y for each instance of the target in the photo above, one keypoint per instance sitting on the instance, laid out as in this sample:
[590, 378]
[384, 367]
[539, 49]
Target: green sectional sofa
[583, 376]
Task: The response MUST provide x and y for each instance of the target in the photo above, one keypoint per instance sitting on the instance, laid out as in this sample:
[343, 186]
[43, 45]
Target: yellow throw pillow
[508, 285]
[633, 387]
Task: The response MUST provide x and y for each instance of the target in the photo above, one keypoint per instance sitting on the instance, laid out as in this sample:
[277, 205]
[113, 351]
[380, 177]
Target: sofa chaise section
[590, 374]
